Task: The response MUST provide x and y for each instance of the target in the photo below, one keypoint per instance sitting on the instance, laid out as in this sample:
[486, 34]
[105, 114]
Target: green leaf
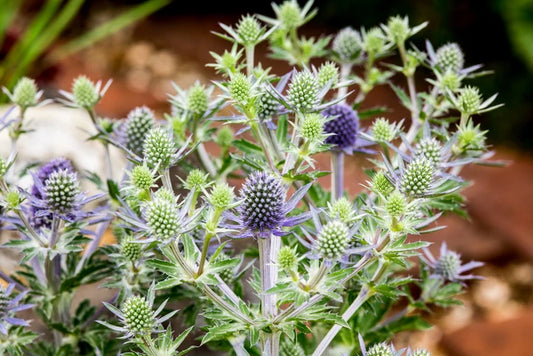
[247, 147]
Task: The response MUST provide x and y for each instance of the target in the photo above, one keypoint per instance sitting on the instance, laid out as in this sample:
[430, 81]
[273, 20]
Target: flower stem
[249, 60]
[206, 161]
[345, 71]
[337, 174]
[268, 254]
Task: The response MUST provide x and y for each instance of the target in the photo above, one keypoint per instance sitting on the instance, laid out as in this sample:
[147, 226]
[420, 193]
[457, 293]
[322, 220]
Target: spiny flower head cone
[381, 184]
[469, 100]
[240, 88]
[417, 177]
[290, 348]
[197, 100]
[374, 41]
[448, 265]
[290, 15]
[382, 130]
[263, 198]
[381, 349]
[398, 29]
[130, 249]
[221, 196]
[303, 91]
[42, 175]
[60, 191]
[158, 148]
[341, 209]
[332, 241]
[142, 178]
[312, 127]
[25, 93]
[450, 57]
[196, 179]
[267, 106]
[343, 127]
[249, 30]
[419, 352]
[287, 258]
[347, 44]
[396, 204]
[162, 217]
[84, 92]
[225, 136]
[138, 124]
[138, 315]
[328, 74]
[430, 149]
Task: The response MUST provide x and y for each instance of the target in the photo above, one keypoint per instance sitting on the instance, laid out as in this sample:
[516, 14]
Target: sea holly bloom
[379, 349]
[347, 45]
[9, 306]
[263, 209]
[85, 94]
[137, 316]
[343, 129]
[418, 352]
[134, 130]
[449, 266]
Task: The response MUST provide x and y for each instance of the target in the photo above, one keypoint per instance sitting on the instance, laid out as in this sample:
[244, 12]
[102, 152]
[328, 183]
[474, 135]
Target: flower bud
[162, 218]
[197, 100]
[380, 349]
[341, 209]
[398, 29]
[287, 258]
[221, 196]
[289, 15]
[374, 41]
[158, 148]
[332, 241]
[25, 93]
[225, 136]
[343, 126]
[130, 249]
[303, 91]
[430, 149]
[450, 57]
[382, 130]
[142, 178]
[347, 44]
[138, 124]
[470, 140]
[380, 184]
[263, 199]
[417, 177]
[138, 315]
[60, 191]
[312, 127]
[196, 179]
[396, 204]
[450, 80]
[165, 194]
[249, 30]
[448, 265]
[419, 352]
[328, 74]
[469, 100]
[290, 348]
[13, 199]
[240, 88]
[267, 105]
[84, 92]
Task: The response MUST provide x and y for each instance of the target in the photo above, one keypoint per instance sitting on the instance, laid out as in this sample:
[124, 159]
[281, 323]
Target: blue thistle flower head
[343, 126]
[9, 306]
[263, 210]
[59, 164]
[448, 266]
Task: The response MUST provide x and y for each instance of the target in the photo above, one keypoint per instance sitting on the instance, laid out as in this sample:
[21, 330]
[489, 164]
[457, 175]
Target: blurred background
[145, 45]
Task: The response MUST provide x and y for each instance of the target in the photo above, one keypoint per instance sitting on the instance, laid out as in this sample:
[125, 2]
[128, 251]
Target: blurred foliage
[37, 40]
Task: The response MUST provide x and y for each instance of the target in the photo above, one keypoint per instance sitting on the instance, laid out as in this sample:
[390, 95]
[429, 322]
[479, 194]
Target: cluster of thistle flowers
[312, 255]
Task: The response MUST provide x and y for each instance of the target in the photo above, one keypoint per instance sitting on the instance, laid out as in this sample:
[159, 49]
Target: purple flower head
[9, 306]
[263, 210]
[449, 265]
[343, 126]
[44, 173]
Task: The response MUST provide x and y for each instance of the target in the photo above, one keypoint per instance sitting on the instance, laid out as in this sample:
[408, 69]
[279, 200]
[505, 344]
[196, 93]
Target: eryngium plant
[277, 264]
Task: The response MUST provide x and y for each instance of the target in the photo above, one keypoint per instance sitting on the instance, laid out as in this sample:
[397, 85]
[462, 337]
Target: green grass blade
[106, 29]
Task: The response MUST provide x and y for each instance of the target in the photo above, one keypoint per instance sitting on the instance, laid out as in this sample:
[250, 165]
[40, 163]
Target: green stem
[249, 59]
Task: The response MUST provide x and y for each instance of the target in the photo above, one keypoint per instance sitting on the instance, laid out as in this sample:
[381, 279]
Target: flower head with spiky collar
[448, 266]
[263, 209]
[9, 306]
